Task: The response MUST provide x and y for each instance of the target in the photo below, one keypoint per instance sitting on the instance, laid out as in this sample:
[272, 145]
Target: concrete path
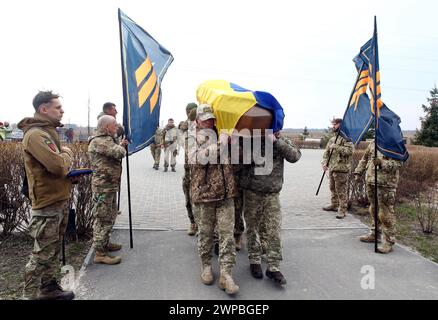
[322, 257]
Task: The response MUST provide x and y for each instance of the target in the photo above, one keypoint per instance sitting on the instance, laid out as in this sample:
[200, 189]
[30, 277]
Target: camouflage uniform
[212, 189]
[339, 168]
[239, 224]
[47, 164]
[47, 228]
[220, 213]
[262, 203]
[387, 181]
[105, 158]
[170, 137]
[156, 147]
[186, 178]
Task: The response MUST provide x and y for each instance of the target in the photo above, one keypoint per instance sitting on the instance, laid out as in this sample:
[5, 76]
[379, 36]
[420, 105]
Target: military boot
[369, 237]
[105, 258]
[385, 246]
[256, 270]
[238, 242]
[226, 283]
[277, 276]
[207, 274]
[341, 215]
[173, 169]
[165, 169]
[52, 291]
[330, 207]
[192, 229]
[216, 248]
[114, 247]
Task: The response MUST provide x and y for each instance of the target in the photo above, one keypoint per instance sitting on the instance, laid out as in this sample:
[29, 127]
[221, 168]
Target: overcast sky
[301, 52]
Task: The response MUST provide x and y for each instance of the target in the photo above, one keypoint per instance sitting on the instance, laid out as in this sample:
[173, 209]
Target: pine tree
[428, 135]
[305, 132]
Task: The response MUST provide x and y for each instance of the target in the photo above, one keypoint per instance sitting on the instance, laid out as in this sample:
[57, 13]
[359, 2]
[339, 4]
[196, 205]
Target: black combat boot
[256, 270]
[277, 276]
[52, 291]
[216, 248]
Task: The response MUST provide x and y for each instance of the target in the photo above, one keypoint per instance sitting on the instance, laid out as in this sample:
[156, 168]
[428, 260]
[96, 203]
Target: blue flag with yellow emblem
[144, 64]
[362, 110]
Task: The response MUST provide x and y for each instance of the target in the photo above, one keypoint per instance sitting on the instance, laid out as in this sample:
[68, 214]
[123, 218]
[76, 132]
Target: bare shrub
[419, 173]
[426, 205]
[81, 194]
[14, 207]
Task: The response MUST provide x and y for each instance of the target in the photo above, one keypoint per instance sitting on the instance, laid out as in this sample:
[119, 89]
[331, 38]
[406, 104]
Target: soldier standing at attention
[184, 127]
[170, 145]
[339, 167]
[387, 182]
[213, 187]
[156, 147]
[110, 109]
[105, 157]
[46, 163]
[262, 204]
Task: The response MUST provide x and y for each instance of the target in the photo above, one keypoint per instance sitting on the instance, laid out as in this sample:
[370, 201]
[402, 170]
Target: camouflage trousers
[386, 214]
[339, 190]
[239, 225]
[186, 190]
[261, 208]
[47, 228]
[221, 215]
[104, 213]
[156, 153]
[169, 153]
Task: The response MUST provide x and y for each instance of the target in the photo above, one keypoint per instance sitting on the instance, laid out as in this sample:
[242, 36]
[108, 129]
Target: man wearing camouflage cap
[339, 168]
[184, 127]
[213, 187]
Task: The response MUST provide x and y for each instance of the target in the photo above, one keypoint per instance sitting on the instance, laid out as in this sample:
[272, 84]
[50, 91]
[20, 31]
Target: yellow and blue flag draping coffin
[230, 102]
[361, 114]
[144, 64]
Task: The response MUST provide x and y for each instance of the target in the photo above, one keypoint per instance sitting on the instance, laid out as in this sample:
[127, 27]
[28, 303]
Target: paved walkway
[157, 200]
[322, 257]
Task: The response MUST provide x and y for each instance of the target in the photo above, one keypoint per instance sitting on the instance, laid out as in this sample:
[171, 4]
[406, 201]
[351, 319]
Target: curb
[87, 260]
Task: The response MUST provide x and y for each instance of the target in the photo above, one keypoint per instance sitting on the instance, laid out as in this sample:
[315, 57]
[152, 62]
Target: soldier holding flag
[387, 181]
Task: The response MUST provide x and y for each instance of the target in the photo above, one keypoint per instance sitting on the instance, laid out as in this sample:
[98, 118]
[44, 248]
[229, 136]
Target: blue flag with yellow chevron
[144, 64]
[358, 117]
[361, 114]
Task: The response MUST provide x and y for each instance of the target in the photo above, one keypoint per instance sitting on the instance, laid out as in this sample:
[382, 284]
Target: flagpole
[376, 201]
[131, 242]
[337, 135]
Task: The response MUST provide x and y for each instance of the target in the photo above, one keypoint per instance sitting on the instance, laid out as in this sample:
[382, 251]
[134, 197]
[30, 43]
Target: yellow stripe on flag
[154, 98]
[146, 89]
[143, 71]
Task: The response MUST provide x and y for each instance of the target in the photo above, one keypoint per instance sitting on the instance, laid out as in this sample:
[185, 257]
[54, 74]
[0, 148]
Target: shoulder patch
[51, 145]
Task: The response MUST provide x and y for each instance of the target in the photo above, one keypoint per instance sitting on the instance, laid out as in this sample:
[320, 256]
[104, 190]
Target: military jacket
[387, 174]
[341, 157]
[105, 157]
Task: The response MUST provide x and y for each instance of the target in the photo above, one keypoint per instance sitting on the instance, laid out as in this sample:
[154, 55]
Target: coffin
[255, 118]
